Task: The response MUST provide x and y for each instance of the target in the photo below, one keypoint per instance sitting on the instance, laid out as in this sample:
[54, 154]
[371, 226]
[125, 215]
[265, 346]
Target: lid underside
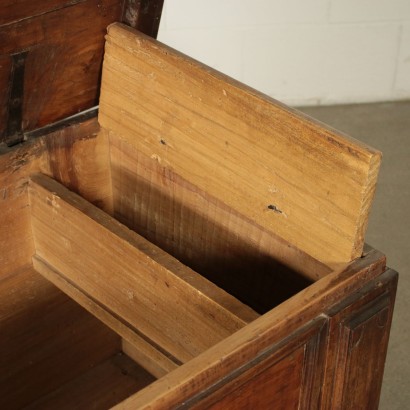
[51, 53]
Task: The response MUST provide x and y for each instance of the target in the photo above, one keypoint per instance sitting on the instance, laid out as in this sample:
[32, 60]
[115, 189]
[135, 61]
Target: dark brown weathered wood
[64, 53]
[13, 12]
[359, 334]
[144, 15]
[63, 42]
[287, 375]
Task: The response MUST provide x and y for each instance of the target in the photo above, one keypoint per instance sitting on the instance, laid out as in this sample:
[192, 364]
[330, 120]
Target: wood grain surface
[46, 339]
[309, 184]
[206, 370]
[76, 156]
[215, 240]
[133, 343]
[144, 287]
[64, 43]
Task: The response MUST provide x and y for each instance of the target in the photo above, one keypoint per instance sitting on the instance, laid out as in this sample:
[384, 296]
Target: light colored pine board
[150, 362]
[76, 156]
[146, 355]
[16, 244]
[179, 311]
[197, 228]
[308, 184]
[243, 258]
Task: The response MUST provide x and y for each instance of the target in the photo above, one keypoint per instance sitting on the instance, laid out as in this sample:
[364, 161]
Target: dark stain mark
[58, 126]
[14, 134]
[102, 8]
[61, 158]
[163, 142]
[144, 15]
[274, 208]
[99, 203]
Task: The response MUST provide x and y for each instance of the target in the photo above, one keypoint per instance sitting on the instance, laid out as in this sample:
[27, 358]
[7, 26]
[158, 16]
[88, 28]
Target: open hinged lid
[51, 53]
[280, 170]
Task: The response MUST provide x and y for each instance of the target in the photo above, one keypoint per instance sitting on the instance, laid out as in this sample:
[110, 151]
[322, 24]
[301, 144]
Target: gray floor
[386, 126]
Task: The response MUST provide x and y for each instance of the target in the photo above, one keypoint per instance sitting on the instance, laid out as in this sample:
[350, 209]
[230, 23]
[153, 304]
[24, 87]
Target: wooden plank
[275, 387]
[151, 361]
[64, 54]
[76, 156]
[16, 243]
[145, 15]
[144, 353]
[359, 335]
[9, 13]
[248, 261]
[176, 309]
[220, 361]
[308, 184]
[287, 375]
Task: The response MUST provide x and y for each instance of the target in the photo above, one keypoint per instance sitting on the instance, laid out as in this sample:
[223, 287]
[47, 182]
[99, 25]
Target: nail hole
[274, 208]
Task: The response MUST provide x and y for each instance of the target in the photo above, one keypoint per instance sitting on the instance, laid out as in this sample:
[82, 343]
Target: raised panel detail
[277, 386]
[287, 376]
[366, 350]
[362, 329]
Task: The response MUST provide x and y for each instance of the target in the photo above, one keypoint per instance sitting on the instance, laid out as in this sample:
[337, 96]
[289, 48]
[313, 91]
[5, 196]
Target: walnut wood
[65, 41]
[270, 329]
[64, 55]
[287, 375]
[360, 328]
[27, 9]
[285, 320]
[144, 15]
[167, 303]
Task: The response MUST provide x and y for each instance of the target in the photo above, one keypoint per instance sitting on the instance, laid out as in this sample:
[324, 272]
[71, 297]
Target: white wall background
[302, 52]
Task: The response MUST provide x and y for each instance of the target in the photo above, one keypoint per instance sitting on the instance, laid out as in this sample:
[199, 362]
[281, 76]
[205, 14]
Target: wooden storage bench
[199, 246]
